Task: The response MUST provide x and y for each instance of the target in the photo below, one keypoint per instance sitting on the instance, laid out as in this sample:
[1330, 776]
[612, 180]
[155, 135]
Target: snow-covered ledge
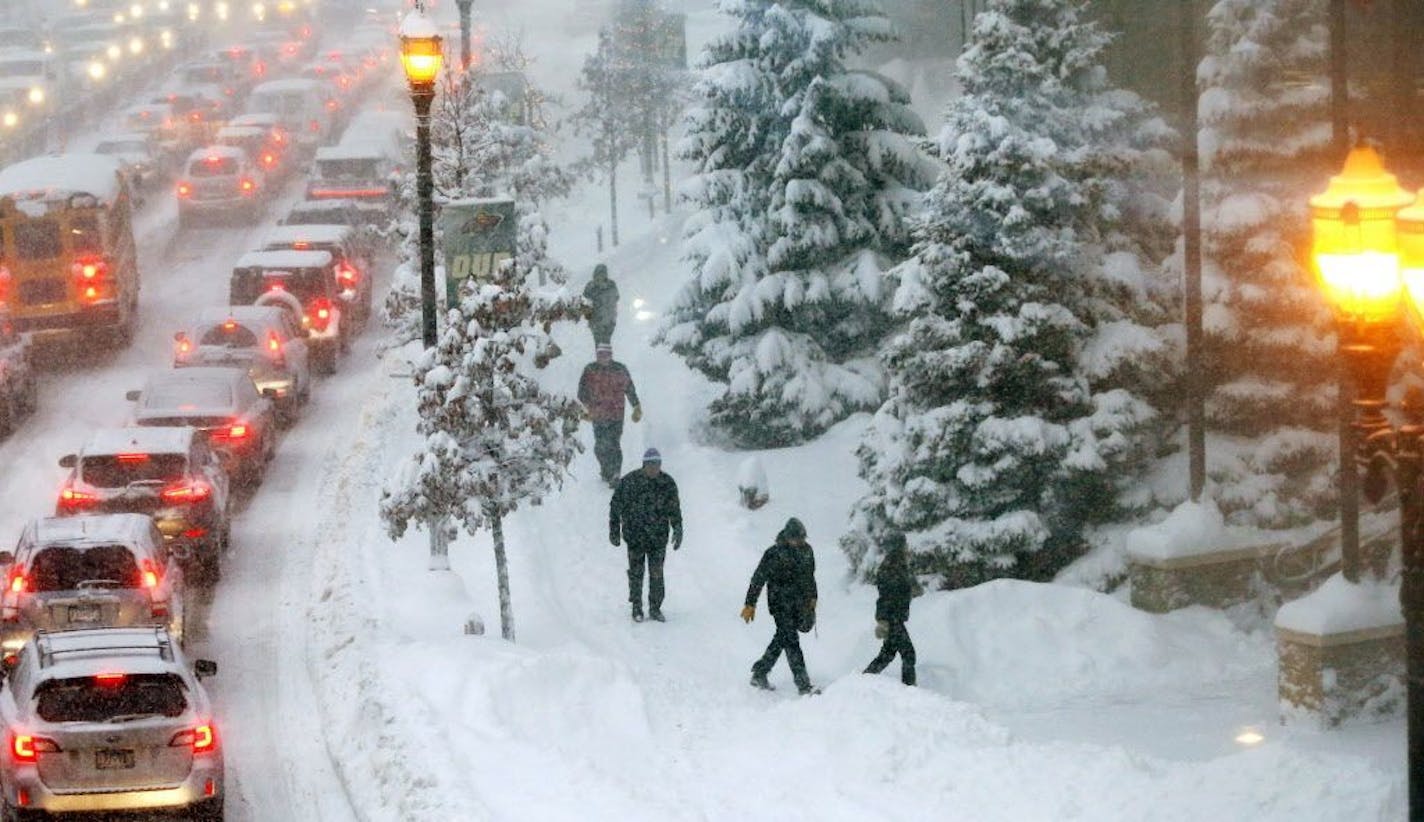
[1192, 558]
[1341, 652]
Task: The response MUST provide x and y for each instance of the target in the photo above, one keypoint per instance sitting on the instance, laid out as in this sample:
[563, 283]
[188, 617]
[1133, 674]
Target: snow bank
[1192, 529]
[1339, 606]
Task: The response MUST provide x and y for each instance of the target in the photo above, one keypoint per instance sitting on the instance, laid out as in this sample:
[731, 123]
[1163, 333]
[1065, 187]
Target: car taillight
[346, 276]
[269, 159]
[274, 348]
[331, 105]
[320, 316]
[76, 499]
[231, 433]
[18, 582]
[88, 269]
[314, 126]
[203, 739]
[185, 190]
[187, 493]
[150, 575]
[5, 284]
[247, 186]
[27, 748]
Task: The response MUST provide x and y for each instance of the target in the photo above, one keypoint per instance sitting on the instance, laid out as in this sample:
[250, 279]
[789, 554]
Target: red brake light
[277, 286]
[301, 245]
[229, 325]
[18, 582]
[186, 494]
[184, 190]
[269, 159]
[150, 576]
[346, 275]
[274, 345]
[71, 497]
[247, 185]
[89, 268]
[314, 126]
[133, 458]
[203, 738]
[109, 680]
[184, 345]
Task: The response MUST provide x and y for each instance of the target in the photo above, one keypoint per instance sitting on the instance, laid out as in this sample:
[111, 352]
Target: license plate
[109, 760]
[84, 613]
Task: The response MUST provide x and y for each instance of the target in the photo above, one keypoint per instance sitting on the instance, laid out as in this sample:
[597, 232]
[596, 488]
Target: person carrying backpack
[788, 572]
[602, 295]
[896, 587]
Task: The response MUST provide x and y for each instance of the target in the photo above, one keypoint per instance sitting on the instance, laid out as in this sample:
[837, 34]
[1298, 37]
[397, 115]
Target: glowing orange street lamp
[422, 55]
[1369, 251]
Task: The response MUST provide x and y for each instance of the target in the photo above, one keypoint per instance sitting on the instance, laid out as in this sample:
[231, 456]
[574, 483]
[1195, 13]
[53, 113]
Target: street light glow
[97, 70]
[1249, 737]
[36, 95]
[11, 119]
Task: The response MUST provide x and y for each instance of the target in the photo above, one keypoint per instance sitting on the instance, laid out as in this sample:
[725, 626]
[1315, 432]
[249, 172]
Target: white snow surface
[1339, 606]
[1191, 529]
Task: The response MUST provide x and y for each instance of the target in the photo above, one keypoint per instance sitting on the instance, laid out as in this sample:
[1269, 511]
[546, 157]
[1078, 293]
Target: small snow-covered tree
[606, 118]
[1269, 345]
[1016, 414]
[805, 174]
[494, 438]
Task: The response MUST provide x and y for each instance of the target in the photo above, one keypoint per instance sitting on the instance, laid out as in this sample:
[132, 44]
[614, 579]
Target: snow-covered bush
[1269, 343]
[1018, 411]
[494, 437]
[805, 172]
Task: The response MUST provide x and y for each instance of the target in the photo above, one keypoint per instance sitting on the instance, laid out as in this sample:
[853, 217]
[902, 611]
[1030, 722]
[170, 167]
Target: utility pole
[1191, 253]
[464, 6]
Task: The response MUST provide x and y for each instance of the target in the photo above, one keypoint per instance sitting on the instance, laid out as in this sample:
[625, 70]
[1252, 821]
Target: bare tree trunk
[613, 202]
[501, 571]
[667, 177]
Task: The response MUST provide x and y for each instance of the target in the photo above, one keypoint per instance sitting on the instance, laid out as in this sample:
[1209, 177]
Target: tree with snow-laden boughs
[1269, 345]
[494, 437]
[805, 172]
[606, 118]
[1019, 408]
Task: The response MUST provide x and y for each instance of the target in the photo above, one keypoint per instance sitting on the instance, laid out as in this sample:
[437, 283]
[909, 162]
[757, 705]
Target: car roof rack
[47, 653]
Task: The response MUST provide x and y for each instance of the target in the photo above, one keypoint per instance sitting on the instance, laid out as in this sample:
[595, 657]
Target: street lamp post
[1369, 255]
[464, 6]
[421, 55]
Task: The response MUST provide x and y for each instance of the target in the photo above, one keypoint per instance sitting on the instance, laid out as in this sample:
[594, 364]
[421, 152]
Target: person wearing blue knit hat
[643, 512]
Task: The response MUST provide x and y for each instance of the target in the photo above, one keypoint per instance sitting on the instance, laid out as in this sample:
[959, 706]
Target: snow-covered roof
[350, 151]
[232, 152]
[287, 86]
[273, 260]
[155, 440]
[283, 236]
[197, 391]
[124, 137]
[150, 108]
[241, 131]
[62, 175]
[416, 24]
[259, 119]
[93, 651]
[251, 315]
[92, 528]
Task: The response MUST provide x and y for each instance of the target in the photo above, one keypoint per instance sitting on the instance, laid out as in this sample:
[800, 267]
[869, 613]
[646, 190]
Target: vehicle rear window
[84, 236]
[119, 470]
[223, 336]
[37, 239]
[68, 567]
[215, 166]
[250, 283]
[183, 395]
[350, 168]
[186, 422]
[91, 699]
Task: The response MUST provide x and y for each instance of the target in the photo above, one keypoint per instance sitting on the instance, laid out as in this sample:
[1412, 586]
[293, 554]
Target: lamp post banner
[478, 237]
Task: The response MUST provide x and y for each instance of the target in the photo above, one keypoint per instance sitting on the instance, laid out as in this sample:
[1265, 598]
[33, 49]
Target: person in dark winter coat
[602, 294]
[896, 587]
[788, 571]
[603, 387]
[643, 512]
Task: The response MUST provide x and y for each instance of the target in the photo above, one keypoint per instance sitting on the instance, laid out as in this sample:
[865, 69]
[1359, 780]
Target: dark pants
[789, 640]
[652, 556]
[602, 332]
[897, 642]
[608, 447]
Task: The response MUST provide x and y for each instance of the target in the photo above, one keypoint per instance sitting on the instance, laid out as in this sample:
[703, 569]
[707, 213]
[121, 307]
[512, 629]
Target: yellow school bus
[68, 264]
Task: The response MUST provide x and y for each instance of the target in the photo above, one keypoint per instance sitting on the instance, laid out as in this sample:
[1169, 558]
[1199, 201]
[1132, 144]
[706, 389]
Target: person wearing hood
[788, 572]
[896, 587]
[602, 295]
[604, 387]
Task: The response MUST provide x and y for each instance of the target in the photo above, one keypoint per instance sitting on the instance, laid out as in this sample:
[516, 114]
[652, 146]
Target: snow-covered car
[19, 390]
[355, 263]
[135, 153]
[159, 122]
[266, 340]
[337, 212]
[170, 474]
[223, 403]
[104, 571]
[109, 719]
[299, 104]
[258, 144]
[220, 180]
[304, 280]
[352, 171]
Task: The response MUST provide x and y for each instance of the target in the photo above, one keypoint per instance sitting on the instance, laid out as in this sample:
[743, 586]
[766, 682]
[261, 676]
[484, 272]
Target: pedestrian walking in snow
[788, 572]
[644, 511]
[603, 387]
[602, 295]
[896, 587]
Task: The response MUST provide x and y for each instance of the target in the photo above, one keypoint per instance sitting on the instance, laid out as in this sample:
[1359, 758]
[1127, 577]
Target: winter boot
[807, 690]
[907, 676]
[637, 613]
[656, 615]
[759, 681]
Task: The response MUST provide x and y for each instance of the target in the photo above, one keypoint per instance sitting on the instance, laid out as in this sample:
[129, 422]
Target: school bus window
[84, 237]
[37, 239]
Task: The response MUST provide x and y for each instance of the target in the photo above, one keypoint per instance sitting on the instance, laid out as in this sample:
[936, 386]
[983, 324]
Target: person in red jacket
[603, 387]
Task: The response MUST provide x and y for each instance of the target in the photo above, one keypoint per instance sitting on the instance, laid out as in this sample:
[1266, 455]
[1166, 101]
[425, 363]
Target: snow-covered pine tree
[1015, 416]
[805, 172]
[1269, 343]
[494, 437]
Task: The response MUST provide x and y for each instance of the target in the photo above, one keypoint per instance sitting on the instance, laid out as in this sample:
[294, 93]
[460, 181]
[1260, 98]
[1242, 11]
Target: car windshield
[348, 168]
[213, 166]
[110, 698]
[228, 335]
[186, 395]
[250, 283]
[119, 470]
[67, 567]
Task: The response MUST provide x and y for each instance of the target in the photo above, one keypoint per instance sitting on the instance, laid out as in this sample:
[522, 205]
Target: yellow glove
[748, 613]
[637, 413]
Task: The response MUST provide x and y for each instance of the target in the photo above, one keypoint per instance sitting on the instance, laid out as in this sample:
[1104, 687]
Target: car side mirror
[132, 396]
[68, 460]
[204, 668]
[7, 558]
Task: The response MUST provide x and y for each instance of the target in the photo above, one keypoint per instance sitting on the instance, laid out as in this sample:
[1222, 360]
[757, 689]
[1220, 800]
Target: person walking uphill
[643, 511]
[602, 294]
[604, 384]
[788, 571]
[896, 587]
